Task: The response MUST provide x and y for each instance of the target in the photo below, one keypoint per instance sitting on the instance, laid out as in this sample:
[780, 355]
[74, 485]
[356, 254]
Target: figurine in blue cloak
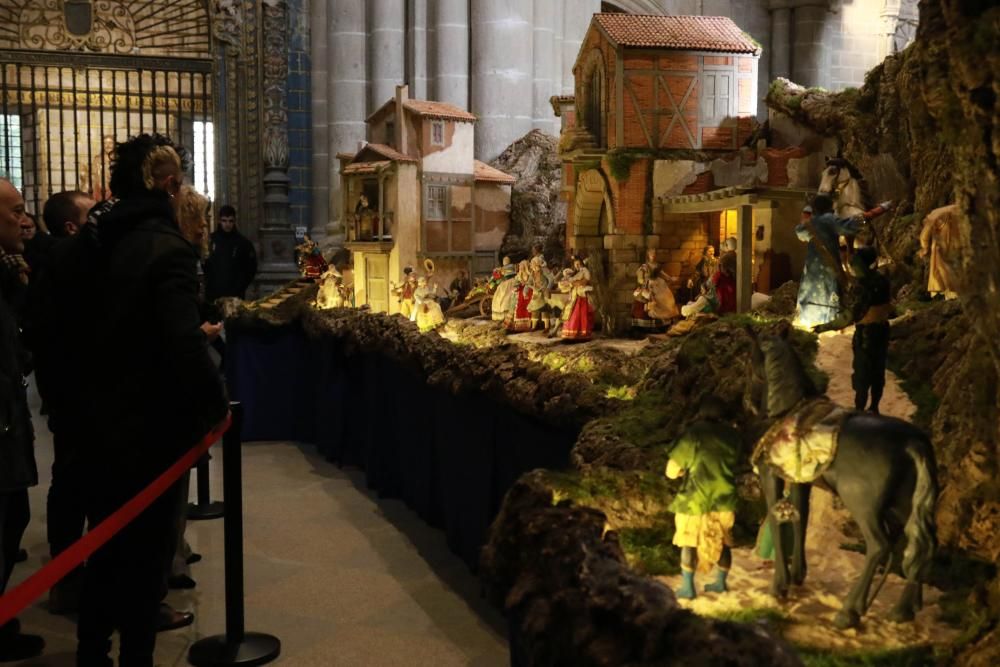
[819, 291]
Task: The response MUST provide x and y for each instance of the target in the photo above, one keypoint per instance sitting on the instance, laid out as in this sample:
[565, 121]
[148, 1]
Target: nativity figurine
[503, 289]
[579, 319]
[940, 241]
[332, 291]
[518, 317]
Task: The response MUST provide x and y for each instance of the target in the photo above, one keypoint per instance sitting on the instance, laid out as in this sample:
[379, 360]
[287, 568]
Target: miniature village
[771, 345]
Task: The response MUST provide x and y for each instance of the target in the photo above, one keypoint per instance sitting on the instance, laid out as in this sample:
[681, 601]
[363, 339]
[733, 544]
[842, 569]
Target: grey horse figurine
[883, 470]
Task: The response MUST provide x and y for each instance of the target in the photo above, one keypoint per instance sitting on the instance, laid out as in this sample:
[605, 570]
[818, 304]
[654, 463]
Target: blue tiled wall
[299, 114]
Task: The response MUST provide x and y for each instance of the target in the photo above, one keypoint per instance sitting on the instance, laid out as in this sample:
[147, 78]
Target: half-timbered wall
[687, 100]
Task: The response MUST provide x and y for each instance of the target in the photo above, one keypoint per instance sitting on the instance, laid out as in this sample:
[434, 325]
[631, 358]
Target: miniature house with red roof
[415, 191]
[649, 90]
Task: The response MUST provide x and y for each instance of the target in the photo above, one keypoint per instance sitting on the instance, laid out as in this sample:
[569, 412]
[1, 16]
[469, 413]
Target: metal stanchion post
[205, 508]
[237, 646]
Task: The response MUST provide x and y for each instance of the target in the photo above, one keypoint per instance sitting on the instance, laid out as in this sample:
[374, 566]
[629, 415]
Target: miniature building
[415, 192]
[653, 93]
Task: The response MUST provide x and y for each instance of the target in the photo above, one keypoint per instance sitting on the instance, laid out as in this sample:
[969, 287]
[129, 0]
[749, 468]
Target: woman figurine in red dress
[580, 324]
[520, 318]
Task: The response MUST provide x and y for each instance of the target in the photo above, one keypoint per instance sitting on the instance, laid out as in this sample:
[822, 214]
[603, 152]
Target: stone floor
[342, 577]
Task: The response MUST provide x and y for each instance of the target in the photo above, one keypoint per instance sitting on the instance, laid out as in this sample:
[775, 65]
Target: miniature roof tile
[484, 172]
[441, 110]
[688, 33]
[366, 167]
[386, 152]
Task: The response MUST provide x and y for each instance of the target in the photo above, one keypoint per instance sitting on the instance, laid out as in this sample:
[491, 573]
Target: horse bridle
[838, 186]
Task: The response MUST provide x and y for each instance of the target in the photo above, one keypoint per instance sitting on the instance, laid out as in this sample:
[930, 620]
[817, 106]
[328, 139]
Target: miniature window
[437, 133]
[715, 96]
[437, 200]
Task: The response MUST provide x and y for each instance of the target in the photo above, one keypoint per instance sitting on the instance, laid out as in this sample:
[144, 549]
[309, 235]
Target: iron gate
[60, 112]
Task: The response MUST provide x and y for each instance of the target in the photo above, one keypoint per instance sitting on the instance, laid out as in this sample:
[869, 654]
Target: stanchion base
[256, 648]
[198, 512]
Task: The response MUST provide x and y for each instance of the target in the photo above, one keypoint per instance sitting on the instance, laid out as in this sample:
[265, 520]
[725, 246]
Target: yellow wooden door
[377, 282]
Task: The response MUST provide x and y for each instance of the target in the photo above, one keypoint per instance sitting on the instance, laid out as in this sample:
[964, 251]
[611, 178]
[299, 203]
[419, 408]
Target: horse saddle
[801, 445]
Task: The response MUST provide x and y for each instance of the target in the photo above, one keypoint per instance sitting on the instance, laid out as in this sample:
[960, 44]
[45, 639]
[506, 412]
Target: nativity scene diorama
[737, 293]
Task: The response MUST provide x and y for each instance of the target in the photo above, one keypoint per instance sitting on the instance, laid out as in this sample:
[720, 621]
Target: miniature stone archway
[592, 194]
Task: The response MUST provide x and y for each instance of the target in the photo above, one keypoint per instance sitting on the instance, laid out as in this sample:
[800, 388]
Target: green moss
[766, 615]
[642, 422]
[620, 164]
[649, 549]
[919, 656]
[920, 393]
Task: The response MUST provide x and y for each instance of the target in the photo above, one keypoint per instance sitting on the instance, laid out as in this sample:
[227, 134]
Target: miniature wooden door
[377, 282]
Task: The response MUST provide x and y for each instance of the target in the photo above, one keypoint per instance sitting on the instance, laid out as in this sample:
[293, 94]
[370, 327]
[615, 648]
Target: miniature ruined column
[502, 73]
[744, 257]
[386, 48]
[346, 55]
[449, 59]
[544, 72]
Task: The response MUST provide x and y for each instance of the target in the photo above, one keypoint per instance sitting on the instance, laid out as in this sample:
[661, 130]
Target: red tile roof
[687, 33]
[484, 172]
[438, 110]
[387, 152]
[365, 167]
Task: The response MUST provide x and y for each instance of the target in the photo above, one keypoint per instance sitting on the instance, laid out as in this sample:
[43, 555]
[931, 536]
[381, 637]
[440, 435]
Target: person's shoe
[17, 646]
[22, 555]
[686, 591]
[180, 582]
[719, 585]
[193, 558]
[169, 618]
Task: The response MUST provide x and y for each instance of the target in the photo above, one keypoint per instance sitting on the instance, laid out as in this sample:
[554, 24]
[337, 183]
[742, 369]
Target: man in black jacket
[17, 454]
[150, 389]
[232, 260]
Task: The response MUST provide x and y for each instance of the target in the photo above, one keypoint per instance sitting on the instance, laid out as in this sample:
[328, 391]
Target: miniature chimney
[402, 94]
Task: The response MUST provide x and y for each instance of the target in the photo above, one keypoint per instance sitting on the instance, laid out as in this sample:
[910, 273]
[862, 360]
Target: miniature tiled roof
[438, 110]
[427, 108]
[484, 172]
[366, 167]
[688, 33]
[387, 152]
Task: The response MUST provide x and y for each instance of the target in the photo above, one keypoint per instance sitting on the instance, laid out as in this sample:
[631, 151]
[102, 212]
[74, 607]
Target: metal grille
[61, 111]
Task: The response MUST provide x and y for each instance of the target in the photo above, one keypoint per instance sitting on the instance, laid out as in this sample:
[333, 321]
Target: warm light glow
[204, 159]
[10, 149]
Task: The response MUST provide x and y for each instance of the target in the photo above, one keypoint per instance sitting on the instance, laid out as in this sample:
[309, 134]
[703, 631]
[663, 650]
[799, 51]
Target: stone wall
[299, 114]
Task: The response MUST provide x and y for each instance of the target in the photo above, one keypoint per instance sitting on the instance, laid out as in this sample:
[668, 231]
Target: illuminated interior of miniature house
[534, 332]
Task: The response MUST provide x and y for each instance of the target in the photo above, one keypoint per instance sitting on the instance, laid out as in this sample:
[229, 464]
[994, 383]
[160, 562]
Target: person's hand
[922, 253]
[211, 330]
[887, 205]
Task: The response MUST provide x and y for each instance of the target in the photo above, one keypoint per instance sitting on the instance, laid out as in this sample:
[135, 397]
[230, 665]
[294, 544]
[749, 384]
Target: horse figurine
[846, 186]
[881, 468]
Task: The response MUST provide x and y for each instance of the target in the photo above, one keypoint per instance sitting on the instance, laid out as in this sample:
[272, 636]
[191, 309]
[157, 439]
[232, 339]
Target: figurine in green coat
[705, 456]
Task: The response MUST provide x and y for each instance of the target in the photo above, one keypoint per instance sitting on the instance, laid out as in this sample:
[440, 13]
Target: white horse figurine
[844, 183]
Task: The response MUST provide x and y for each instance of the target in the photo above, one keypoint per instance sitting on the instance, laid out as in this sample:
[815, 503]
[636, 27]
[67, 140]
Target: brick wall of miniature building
[629, 196]
[682, 237]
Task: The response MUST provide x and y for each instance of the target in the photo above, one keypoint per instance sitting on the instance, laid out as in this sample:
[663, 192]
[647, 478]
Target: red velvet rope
[13, 602]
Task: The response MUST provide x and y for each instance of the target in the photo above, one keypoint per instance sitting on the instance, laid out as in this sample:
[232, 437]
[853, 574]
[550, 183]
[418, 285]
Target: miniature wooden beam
[744, 257]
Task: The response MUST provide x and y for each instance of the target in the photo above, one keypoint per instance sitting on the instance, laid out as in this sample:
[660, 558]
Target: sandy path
[832, 570]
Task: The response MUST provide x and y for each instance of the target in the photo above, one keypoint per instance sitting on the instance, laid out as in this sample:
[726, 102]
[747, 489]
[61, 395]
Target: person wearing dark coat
[871, 330]
[150, 391]
[17, 455]
[232, 261]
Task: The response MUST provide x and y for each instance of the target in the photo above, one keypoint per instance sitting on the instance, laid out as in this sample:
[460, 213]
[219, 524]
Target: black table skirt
[449, 458]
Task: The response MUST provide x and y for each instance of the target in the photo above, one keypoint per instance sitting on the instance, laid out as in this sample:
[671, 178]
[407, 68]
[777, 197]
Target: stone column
[544, 72]
[416, 56]
[346, 55]
[386, 49]
[502, 73]
[448, 64]
[781, 32]
[576, 20]
[277, 240]
[557, 48]
[320, 127]
[808, 47]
